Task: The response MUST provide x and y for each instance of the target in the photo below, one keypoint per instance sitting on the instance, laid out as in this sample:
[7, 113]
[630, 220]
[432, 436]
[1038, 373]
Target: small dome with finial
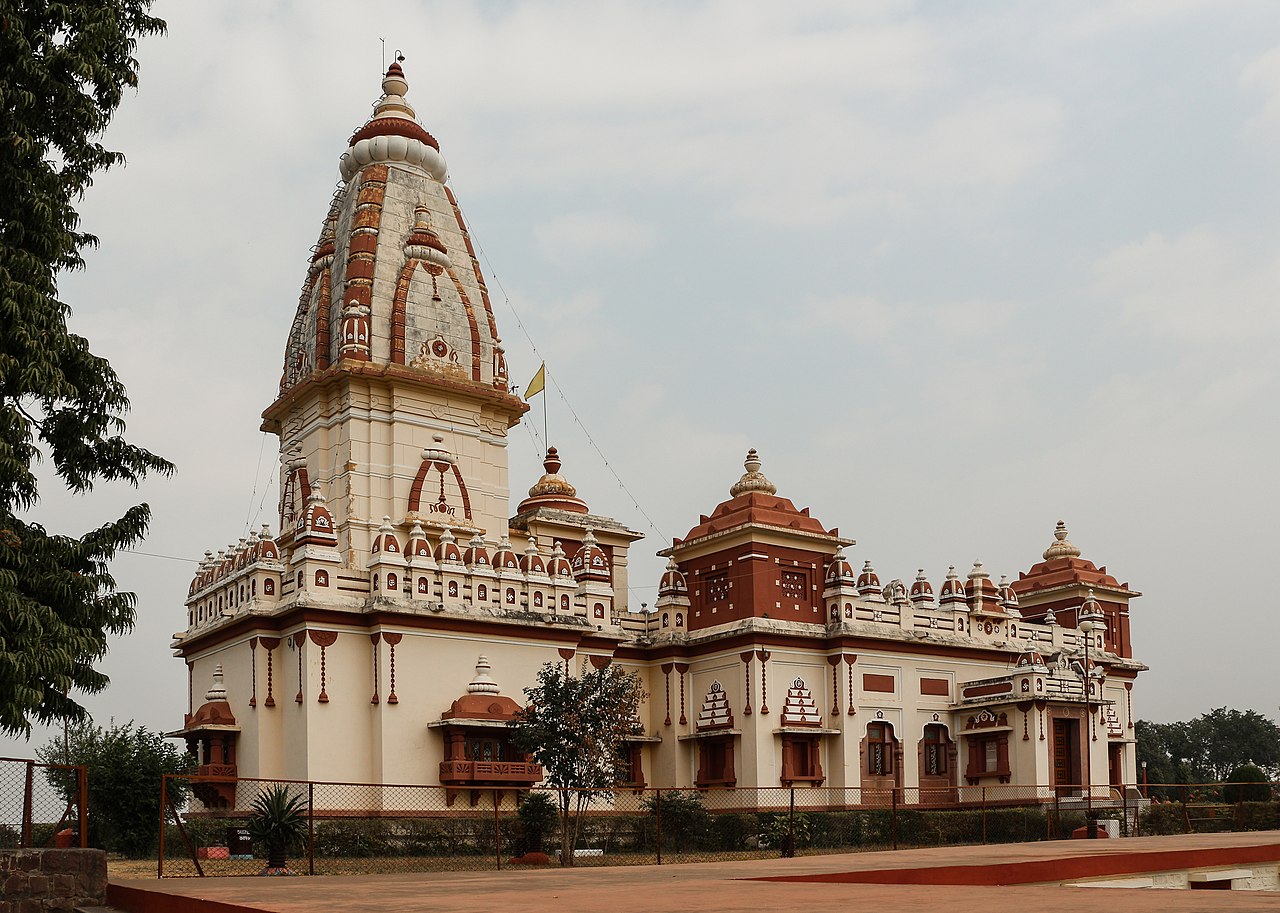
[921, 589]
[217, 691]
[868, 580]
[559, 565]
[952, 588]
[417, 546]
[1008, 598]
[315, 523]
[840, 571]
[386, 540]
[393, 134]
[476, 555]
[482, 683]
[673, 580]
[553, 490]
[447, 550]
[504, 559]
[590, 561]
[531, 562]
[1090, 610]
[1061, 547]
[753, 479]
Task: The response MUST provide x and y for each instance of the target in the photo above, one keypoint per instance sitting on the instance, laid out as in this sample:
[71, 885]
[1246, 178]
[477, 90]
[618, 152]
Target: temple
[387, 631]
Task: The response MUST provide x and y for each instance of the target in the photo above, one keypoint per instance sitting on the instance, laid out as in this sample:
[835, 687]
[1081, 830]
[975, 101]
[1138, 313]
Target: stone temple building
[386, 632]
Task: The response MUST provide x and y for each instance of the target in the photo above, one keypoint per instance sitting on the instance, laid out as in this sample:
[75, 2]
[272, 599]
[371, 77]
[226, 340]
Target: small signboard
[240, 842]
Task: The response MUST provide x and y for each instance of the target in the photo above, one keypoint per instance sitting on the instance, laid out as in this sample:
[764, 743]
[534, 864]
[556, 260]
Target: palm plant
[278, 820]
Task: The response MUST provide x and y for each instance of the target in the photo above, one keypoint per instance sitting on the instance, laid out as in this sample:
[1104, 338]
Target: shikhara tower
[366, 641]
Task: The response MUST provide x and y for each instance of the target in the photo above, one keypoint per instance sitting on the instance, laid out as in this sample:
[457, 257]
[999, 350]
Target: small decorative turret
[868, 580]
[417, 548]
[482, 683]
[531, 562]
[558, 566]
[753, 479]
[921, 590]
[1008, 598]
[504, 559]
[217, 691]
[590, 561]
[952, 594]
[447, 551]
[553, 490]
[1061, 548]
[839, 571]
[386, 540]
[673, 580]
[315, 523]
[1090, 610]
[476, 555]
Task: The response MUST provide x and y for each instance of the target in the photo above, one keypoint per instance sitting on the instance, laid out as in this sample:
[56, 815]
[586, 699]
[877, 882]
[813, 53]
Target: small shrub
[686, 823]
[1247, 784]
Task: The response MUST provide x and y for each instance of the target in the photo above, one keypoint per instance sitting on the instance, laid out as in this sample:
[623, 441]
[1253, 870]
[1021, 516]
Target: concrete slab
[730, 887]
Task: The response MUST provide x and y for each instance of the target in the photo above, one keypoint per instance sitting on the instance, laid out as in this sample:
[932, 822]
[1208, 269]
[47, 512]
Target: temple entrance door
[1115, 765]
[1066, 741]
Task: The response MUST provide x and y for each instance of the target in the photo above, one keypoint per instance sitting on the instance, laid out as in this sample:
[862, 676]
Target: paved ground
[734, 886]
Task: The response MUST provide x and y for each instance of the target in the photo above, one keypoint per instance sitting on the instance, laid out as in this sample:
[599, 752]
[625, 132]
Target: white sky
[958, 270]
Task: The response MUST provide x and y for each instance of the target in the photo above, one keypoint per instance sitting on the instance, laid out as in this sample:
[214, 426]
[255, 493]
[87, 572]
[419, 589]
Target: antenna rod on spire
[383, 68]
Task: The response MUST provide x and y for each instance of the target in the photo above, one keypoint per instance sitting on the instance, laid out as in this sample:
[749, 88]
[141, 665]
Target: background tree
[63, 68]
[576, 728]
[124, 766]
[1208, 748]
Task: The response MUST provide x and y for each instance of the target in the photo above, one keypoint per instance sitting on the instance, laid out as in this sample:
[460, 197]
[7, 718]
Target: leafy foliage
[538, 815]
[1207, 748]
[576, 728]
[63, 69]
[124, 766]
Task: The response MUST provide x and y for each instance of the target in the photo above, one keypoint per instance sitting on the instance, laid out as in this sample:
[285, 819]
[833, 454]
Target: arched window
[933, 751]
[375, 581]
[666, 619]
[537, 599]
[564, 602]
[253, 587]
[393, 582]
[299, 579]
[453, 589]
[880, 749]
[835, 612]
[599, 610]
[482, 592]
[679, 619]
[848, 610]
[511, 596]
[422, 585]
[322, 578]
[269, 587]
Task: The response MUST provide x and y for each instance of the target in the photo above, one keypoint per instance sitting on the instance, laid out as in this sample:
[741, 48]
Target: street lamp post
[1144, 780]
[1089, 619]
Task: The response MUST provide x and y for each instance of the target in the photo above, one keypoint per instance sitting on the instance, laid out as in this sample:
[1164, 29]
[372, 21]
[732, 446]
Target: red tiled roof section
[482, 707]
[213, 713]
[1064, 572]
[758, 508]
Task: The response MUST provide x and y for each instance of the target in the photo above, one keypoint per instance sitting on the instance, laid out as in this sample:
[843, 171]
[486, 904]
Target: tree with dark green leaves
[576, 727]
[63, 70]
[1208, 748]
[124, 766]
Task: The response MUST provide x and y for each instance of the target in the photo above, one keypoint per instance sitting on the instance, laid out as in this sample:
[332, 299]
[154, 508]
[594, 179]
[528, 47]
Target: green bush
[539, 819]
[1162, 818]
[686, 823]
[734, 829]
[1247, 784]
[1258, 816]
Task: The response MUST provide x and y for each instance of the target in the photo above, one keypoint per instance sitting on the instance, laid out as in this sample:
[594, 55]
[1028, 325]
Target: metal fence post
[164, 820]
[25, 839]
[1057, 815]
[497, 830]
[311, 828]
[82, 781]
[791, 825]
[657, 814]
[893, 799]
[984, 815]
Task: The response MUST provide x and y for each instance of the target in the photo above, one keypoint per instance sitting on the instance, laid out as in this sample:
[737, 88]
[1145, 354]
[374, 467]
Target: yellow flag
[538, 384]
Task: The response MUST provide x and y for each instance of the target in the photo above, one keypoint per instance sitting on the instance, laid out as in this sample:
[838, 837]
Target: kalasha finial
[753, 479]
[552, 463]
[482, 683]
[1061, 548]
[217, 691]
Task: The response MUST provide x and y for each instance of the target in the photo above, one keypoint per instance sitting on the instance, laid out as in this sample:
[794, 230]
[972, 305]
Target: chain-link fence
[353, 828]
[41, 805]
